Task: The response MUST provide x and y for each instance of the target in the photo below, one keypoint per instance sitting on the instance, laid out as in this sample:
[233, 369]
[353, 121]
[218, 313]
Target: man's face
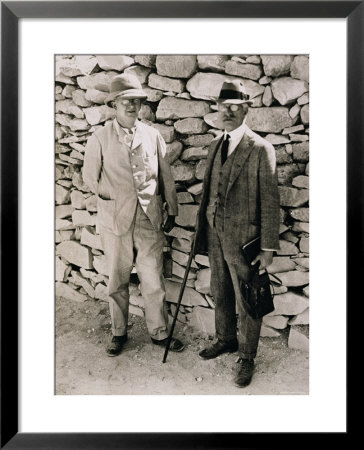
[127, 110]
[232, 115]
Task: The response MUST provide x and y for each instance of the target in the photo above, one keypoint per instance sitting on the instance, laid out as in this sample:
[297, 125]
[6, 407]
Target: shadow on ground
[82, 366]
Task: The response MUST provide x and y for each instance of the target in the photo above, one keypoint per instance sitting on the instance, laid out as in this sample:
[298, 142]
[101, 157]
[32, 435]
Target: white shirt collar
[125, 135]
[235, 137]
[128, 131]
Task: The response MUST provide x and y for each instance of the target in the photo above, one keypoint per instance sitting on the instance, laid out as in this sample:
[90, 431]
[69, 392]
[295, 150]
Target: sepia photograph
[181, 224]
[181, 195]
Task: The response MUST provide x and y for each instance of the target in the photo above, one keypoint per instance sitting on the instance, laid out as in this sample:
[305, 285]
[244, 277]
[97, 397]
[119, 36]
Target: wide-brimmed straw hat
[233, 92]
[125, 86]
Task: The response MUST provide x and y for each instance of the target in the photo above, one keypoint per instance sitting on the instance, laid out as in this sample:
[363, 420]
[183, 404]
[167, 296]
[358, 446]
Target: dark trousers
[225, 289]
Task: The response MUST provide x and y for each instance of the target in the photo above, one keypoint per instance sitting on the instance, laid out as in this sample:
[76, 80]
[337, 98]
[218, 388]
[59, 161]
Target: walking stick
[178, 303]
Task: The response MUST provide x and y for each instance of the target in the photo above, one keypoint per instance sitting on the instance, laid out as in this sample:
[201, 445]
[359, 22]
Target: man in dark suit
[240, 202]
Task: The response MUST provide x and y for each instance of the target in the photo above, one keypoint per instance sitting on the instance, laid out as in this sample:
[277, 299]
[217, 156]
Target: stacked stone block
[181, 91]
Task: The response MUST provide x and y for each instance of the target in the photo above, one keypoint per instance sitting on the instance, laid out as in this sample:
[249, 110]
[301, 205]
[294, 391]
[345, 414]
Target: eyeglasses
[225, 107]
[128, 101]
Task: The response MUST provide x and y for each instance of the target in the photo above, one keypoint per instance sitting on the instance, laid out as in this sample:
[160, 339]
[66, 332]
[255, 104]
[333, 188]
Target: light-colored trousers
[143, 246]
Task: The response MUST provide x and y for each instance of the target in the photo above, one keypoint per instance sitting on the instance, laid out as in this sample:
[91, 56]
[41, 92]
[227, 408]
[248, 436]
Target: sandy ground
[82, 366]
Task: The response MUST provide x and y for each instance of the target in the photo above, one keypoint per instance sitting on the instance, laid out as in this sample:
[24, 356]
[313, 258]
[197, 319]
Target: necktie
[129, 135]
[224, 149]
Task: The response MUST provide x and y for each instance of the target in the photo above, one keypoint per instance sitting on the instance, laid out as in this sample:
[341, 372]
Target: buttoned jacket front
[121, 176]
[251, 204]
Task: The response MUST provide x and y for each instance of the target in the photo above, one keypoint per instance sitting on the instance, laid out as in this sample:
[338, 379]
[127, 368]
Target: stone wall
[180, 105]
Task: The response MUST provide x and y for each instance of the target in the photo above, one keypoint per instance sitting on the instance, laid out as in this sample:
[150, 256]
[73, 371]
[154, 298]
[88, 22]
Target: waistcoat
[218, 185]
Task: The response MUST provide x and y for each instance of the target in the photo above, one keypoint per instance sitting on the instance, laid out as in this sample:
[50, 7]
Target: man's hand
[170, 223]
[265, 257]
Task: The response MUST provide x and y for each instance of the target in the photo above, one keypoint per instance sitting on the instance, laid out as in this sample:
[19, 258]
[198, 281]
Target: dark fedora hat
[125, 86]
[233, 92]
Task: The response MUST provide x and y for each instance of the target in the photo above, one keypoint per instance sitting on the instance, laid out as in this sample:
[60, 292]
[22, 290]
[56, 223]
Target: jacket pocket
[253, 230]
[155, 211]
[106, 212]
[150, 166]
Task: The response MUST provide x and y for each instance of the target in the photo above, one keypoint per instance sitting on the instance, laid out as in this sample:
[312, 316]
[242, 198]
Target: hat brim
[129, 93]
[234, 101]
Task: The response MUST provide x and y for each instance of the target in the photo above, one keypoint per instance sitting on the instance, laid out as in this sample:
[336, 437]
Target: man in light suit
[240, 202]
[125, 166]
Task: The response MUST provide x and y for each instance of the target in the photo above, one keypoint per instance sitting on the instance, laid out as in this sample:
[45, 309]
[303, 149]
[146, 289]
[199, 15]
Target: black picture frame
[11, 13]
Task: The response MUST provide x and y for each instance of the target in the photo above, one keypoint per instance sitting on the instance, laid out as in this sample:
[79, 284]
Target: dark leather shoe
[244, 373]
[116, 345]
[175, 345]
[218, 348]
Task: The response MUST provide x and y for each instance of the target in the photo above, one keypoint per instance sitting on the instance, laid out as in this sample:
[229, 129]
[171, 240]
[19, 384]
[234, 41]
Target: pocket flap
[106, 212]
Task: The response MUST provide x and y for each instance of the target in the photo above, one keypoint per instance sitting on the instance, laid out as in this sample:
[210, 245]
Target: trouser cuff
[118, 331]
[246, 355]
[159, 335]
[227, 339]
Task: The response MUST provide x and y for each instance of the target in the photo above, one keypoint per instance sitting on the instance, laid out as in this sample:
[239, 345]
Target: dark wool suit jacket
[252, 199]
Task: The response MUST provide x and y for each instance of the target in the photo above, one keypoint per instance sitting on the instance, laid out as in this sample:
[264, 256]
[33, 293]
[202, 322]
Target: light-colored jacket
[121, 176]
[251, 205]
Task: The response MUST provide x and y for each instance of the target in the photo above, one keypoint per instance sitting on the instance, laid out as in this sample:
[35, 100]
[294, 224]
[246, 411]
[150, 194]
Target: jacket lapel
[242, 153]
[211, 156]
[207, 176]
